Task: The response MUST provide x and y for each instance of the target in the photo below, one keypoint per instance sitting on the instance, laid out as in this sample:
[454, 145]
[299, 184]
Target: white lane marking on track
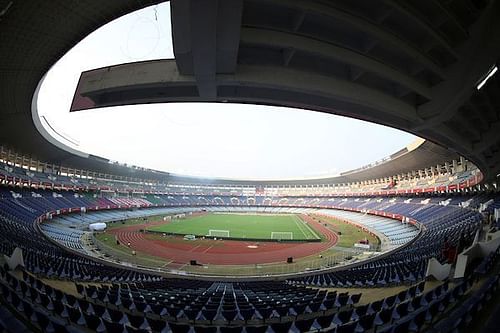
[208, 249]
[194, 248]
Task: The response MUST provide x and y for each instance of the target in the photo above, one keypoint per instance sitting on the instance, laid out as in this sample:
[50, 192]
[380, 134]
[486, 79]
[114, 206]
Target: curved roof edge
[419, 154]
[31, 27]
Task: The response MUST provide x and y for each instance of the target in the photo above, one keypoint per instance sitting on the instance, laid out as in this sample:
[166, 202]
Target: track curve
[223, 252]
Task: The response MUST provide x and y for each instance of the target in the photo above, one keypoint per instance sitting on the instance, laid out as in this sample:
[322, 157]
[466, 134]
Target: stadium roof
[420, 154]
[413, 65]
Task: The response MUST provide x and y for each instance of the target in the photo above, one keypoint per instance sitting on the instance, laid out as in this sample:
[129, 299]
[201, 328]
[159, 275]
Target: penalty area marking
[280, 235]
[218, 233]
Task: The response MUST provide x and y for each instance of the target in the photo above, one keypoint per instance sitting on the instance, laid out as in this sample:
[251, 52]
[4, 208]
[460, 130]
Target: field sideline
[243, 226]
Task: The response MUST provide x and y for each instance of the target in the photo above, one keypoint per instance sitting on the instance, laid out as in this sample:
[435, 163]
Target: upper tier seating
[442, 179]
[144, 302]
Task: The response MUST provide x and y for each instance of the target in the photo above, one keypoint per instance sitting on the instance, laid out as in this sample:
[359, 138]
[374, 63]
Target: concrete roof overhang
[413, 65]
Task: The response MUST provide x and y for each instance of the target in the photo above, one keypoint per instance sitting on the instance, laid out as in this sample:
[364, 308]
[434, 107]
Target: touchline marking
[297, 223]
[310, 229]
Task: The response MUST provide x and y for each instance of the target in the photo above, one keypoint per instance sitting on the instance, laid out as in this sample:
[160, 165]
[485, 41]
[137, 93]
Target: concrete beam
[206, 39]
[228, 34]
[476, 57]
[372, 29]
[141, 82]
[316, 84]
[476, 111]
[449, 16]
[194, 29]
[283, 40]
[181, 35]
[436, 36]
[490, 137]
[160, 81]
[450, 138]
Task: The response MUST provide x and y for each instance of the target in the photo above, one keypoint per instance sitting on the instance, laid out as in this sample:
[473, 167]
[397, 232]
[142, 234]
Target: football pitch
[242, 226]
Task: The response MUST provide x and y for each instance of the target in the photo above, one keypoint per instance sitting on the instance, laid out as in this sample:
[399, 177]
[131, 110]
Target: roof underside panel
[408, 64]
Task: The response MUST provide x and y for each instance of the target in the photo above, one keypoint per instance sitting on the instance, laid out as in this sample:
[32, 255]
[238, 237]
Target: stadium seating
[11, 174]
[139, 301]
[184, 305]
[407, 265]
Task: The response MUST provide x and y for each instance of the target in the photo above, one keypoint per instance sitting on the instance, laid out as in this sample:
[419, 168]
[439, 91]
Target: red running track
[223, 252]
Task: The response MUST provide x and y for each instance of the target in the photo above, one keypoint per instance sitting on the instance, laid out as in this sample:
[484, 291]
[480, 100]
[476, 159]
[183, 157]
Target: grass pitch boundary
[250, 227]
[303, 225]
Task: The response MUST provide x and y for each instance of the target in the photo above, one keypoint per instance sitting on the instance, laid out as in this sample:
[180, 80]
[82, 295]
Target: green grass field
[350, 234]
[253, 226]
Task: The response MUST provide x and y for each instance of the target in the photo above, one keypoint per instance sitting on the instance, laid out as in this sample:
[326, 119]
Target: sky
[200, 139]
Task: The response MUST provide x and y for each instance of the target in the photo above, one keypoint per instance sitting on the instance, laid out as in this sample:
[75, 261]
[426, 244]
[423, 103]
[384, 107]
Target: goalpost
[285, 235]
[218, 233]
